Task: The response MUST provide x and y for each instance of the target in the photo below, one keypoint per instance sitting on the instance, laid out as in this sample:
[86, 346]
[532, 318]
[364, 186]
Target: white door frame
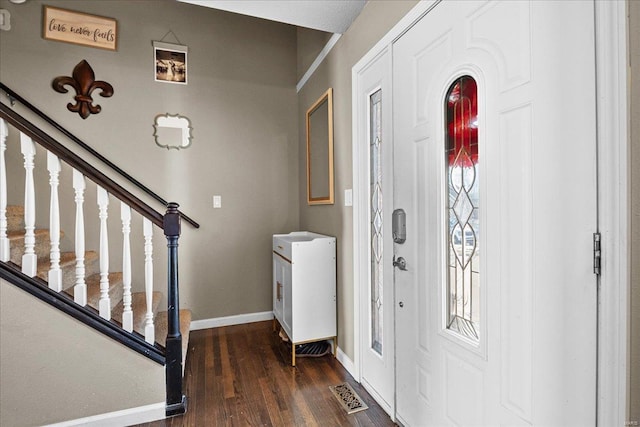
[613, 211]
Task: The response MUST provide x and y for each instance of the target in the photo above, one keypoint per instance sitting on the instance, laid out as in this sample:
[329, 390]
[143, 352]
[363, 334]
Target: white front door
[376, 292]
[494, 163]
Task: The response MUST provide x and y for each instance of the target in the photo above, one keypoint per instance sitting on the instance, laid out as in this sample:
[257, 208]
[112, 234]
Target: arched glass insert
[463, 258]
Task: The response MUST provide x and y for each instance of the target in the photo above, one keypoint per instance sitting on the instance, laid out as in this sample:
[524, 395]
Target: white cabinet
[304, 287]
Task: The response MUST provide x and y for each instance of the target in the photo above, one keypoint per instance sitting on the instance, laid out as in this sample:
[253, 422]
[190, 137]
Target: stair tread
[15, 217]
[161, 323]
[19, 234]
[139, 308]
[93, 289]
[42, 243]
[66, 259]
[15, 210]
[16, 235]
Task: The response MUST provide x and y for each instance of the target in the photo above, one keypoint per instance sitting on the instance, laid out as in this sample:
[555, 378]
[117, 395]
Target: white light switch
[348, 197]
[5, 20]
[217, 202]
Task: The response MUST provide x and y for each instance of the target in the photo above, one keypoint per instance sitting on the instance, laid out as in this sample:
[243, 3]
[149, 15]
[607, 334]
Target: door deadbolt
[399, 226]
[400, 262]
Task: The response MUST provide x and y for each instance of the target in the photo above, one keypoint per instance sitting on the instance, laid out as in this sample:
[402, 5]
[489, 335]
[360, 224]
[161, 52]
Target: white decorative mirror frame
[172, 131]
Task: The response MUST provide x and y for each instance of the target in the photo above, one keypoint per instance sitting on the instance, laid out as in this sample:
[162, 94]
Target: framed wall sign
[79, 28]
[170, 62]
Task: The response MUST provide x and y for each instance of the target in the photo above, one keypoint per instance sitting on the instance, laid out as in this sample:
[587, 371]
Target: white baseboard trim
[126, 417]
[230, 320]
[346, 362]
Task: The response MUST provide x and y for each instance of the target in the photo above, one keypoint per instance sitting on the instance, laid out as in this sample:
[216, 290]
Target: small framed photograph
[170, 61]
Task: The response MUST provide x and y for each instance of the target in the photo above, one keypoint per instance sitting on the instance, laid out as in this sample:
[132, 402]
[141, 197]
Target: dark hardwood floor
[241, 376]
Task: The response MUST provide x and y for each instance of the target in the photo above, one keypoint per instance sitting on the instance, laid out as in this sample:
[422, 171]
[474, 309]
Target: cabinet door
[278, 287]
[287, 294]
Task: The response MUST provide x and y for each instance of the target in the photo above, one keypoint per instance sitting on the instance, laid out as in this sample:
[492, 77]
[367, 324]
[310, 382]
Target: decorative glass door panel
[375, 182]
[373, 245]
[463, 259]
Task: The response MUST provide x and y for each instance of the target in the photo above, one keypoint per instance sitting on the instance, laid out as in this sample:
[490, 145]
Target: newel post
[176, 400]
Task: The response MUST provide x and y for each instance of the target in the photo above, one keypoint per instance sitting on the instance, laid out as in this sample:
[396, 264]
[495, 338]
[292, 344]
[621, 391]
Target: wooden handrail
[75, 161]
[14, 96]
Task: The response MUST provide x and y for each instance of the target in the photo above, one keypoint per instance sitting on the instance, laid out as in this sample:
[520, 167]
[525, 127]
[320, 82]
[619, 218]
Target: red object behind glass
[462, 123]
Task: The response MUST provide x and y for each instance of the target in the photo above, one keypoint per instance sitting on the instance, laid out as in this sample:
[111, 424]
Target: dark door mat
[313, 349]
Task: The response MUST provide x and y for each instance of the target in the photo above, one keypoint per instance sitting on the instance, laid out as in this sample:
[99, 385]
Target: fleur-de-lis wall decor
[83, 80]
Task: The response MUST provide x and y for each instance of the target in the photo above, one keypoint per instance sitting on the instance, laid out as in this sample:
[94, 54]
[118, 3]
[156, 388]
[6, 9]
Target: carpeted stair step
[15, 218]
[139, 308]
[16, 243]
[68, 266]
[161, 324]
[93, 290]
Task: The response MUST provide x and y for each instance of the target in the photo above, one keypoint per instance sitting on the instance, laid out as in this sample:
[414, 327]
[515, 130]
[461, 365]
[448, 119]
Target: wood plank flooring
[241, 376]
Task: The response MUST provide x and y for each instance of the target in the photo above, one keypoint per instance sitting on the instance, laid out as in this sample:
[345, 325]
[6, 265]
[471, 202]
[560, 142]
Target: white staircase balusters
[4, 240]
[149, 329]
[104, 306]
[80, 288]
[55, 273]
[127, 314]
[29, 259]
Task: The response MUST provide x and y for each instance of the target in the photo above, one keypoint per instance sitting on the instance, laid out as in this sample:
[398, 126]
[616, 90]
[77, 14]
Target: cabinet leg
[335, 346]
[293, 354]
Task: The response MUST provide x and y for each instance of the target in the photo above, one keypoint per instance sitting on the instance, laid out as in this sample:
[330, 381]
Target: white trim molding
[126, 417]
[346, 363]
[613, 209]
[231, 320]
[316, 63]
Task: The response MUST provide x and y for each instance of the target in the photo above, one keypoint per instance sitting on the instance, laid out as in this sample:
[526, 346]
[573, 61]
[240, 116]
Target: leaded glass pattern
[462, 168]
[375, 182]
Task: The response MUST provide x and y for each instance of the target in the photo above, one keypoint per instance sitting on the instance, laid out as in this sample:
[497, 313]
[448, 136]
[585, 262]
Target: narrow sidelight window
[462, 180]
[375, 184]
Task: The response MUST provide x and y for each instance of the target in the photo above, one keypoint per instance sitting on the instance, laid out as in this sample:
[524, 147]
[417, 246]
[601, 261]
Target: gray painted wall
[310, 43]
[44, 367]
[242, 103]
[376, 19]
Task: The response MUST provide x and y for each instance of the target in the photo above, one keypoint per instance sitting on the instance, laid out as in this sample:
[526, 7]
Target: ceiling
[333, 16]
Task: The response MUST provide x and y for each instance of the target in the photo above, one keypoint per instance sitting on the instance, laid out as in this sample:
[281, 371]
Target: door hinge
[597, 253]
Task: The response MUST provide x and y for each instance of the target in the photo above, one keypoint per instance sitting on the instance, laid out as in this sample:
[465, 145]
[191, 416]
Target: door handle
[400, 262]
